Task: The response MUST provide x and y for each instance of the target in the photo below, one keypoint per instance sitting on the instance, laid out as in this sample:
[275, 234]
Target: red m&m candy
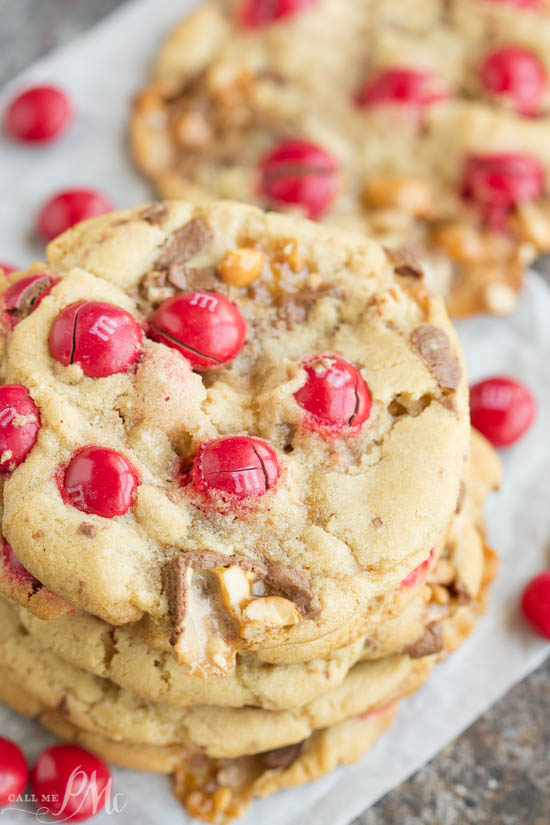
[253, 14]
[300, 173]
[103, 339]
[501, 409]
[419, 572]
[13, 568]
[205, 327]
[100, 481]
[241, 466]
[38, 115]
[516, 75]
[22, 297]
[535, 603]
[70, 784]
[14, 773]
[498, 183]
[19, 425]
[522, 4]
[334, 396]
[400, 87]
[69, 207]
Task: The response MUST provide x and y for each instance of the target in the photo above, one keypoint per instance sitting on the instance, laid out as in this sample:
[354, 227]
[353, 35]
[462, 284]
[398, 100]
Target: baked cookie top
[421, 124]
[239, 423]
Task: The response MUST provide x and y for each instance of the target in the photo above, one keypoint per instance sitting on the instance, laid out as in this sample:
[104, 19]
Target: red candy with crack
[14, 569]
[400, 87]
[70, 783]
[300, 173]
[516, 75]
[100, 481]
[14, 773]
[103, 339]
[502, 409]
[334, 396]
[498, 183]
[28, 292]
[205, 327]
[66, 208]
[535, 603]
[240, 466]
[19, 425]
[253, 14]
[38, 115]
[419, 572]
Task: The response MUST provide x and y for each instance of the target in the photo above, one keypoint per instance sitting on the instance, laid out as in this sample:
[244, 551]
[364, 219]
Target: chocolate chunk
[294, 585]
[433, 346]
[460, 499]
[405, 263]
[294, 308]
[194, 278]
[175, 582]
[87, 529]
[154, 214]
[431, 642]
[175, 587]
[283, 579]
[281, 758]
[207, 559]
[377, 522]
[185, 243]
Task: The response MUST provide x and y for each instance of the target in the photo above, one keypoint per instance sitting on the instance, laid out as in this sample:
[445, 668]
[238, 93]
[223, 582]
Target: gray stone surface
[498, 772]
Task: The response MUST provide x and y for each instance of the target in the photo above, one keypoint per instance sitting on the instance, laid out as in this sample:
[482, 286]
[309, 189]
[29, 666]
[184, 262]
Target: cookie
[218, 790]
[97, 705]
[123, 655]
[429, 135]
[101, 707]
[224, 457]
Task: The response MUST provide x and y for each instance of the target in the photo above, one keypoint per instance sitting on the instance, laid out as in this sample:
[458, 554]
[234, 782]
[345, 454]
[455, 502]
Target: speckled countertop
[498, 772]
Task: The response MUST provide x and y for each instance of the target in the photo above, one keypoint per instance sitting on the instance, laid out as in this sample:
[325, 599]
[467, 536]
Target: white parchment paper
[101, 71]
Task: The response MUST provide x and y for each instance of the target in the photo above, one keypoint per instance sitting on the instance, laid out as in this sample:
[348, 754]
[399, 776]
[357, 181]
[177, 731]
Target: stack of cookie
[242, 508]
[422, 123]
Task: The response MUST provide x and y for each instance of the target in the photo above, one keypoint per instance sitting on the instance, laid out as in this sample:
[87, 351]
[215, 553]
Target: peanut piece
[406, 194]
[440, 595]
[192, 130]
[241, 266]
[268, 613]
[461, 241]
